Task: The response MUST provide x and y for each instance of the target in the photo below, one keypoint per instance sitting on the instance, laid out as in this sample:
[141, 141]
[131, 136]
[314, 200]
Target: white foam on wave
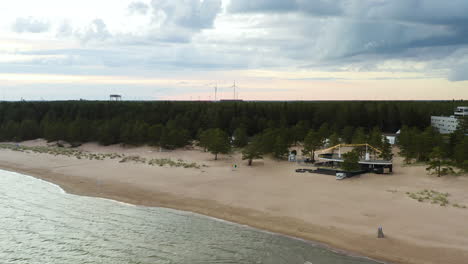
[61, 190]
[35, 179]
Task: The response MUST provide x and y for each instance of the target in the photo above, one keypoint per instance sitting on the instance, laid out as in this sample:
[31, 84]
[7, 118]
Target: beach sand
[271, 196]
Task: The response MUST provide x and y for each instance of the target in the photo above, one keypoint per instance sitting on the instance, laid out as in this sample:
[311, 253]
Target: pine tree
[347, 134]
[351, 161]
[312, 142]
[204, 138]
[218, 142]
[253, 151]
[334, 139]
[240, 137]
[359, 136]
[438, 164]
[375, 138]
[461, 153]
[386, 150]
[28, 129]
[299, 131]
[324, 131]
[154, 134]
[281, 147]
[407, 143]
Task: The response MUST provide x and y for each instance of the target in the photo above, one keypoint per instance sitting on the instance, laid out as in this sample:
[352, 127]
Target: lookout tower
[115, 97]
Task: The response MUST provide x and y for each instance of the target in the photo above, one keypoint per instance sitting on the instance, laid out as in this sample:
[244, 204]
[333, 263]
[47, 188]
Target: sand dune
[270, 195]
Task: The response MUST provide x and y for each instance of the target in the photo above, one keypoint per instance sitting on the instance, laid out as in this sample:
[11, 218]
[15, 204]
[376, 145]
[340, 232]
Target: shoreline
[215, 196]
[123, 201]
[310, 242]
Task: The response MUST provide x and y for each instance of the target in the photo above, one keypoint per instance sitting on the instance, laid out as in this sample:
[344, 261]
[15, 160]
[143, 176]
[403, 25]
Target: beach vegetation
[312, 142]
[359, 136]
[347, 134]
[437, 164]
[78, 154]
[173, 125]
[351, 161]
[324, 131]
[334, 139]
[376, 138]
[433, 197]
[217, 142]
[280, 147]
[299, 131]
[386, 150]
[253, 150]
[240, 138]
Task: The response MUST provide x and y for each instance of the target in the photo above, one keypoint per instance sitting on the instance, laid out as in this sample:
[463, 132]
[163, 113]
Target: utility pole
[216, 92]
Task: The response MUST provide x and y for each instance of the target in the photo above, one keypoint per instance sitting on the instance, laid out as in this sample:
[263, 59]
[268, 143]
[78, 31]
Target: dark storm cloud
[316, 7]
[364, 33]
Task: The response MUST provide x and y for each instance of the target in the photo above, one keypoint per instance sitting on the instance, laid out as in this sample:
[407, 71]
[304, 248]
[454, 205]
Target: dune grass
[434, 197]
[78, 154]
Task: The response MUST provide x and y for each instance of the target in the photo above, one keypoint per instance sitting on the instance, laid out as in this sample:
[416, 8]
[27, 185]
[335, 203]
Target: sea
[40, 224]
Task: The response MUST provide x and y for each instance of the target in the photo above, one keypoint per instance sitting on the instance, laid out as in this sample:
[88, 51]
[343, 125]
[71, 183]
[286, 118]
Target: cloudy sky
[273, 49]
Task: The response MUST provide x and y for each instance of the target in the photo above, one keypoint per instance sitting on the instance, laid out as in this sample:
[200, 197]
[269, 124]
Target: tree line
[441, 152]
[175, 122]
[258, 128]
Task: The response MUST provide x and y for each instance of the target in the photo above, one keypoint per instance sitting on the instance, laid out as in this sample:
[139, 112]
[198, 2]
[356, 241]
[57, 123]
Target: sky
[271, 49]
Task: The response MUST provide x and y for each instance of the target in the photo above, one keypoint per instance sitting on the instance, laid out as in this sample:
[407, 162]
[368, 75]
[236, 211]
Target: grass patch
[78, 154]
[434, 197]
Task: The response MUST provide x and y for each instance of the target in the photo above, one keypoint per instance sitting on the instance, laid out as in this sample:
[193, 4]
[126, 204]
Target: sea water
[40, 223]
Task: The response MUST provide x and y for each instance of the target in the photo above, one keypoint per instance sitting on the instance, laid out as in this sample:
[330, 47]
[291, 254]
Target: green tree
[312, 142]
[253, 150]
[386, 150]
[407, 143]
[154, 134]
[425, 142]
[461, 151]
[218, 142]
[172, 138]
[109, 132]
[240, 137]
[375, 138]
[79, 131]
[268, 140]
[299, 131]
[438, 164]
[10, 130]
[324, 131]
[351, 161]
[347, 134]
[204, 138]
[334, 140]
[281, 147]
[29, 129]
[359, 136]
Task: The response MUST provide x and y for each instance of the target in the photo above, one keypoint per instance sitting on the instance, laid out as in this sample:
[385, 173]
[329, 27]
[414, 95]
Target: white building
[461, 111]
[392, 137]
[448, 124]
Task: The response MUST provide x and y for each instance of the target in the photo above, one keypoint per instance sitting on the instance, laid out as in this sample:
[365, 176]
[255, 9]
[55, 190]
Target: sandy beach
[271, 196]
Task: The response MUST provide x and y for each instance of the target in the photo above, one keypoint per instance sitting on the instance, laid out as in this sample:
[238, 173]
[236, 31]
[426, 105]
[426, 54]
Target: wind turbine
[234, 88]
[216, 92]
